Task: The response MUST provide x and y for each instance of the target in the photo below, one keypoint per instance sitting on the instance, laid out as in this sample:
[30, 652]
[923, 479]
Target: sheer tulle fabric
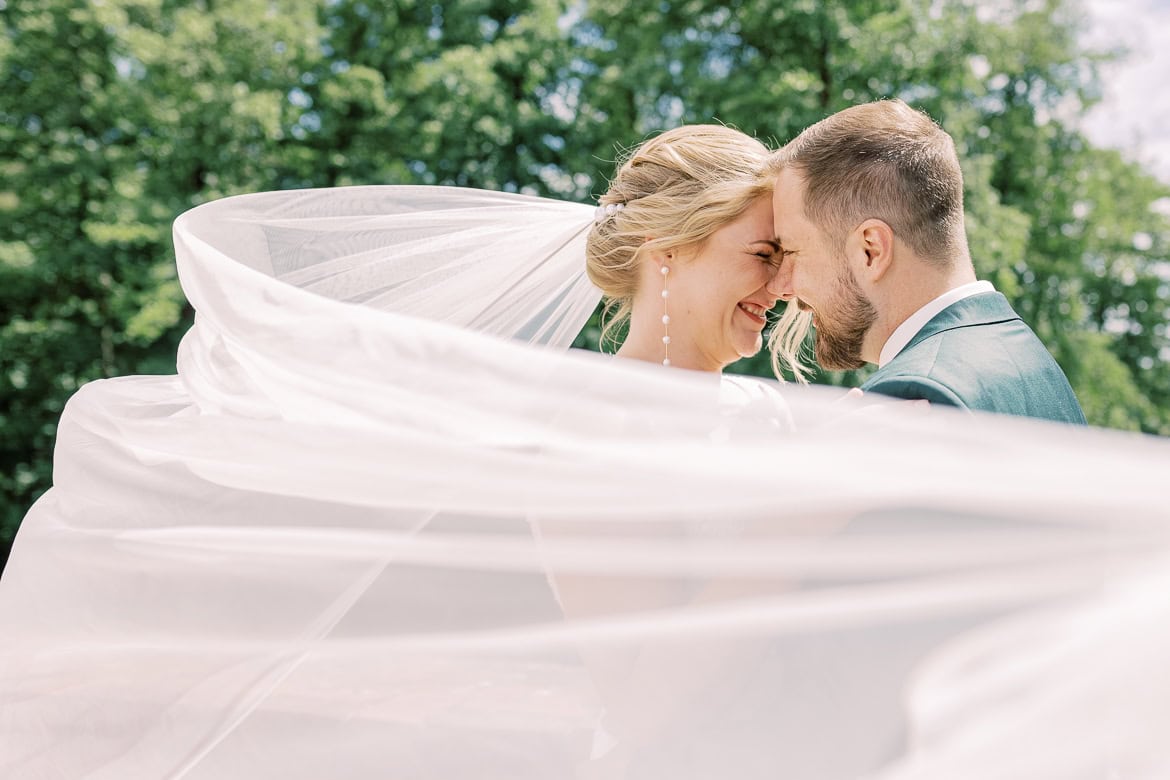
[382, 524]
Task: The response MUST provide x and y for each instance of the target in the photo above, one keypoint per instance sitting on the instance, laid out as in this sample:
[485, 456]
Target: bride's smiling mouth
[757, 313]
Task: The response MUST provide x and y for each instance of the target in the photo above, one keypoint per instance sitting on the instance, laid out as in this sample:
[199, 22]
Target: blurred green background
[117, 115]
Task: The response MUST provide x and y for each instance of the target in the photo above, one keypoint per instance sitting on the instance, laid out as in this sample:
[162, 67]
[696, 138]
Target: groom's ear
[874, 244]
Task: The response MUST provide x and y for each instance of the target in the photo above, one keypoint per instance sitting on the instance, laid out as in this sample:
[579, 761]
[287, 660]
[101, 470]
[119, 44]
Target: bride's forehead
[756, 219]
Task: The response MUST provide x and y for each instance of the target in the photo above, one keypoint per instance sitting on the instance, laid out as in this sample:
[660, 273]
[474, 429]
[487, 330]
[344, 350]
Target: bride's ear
[659, 257]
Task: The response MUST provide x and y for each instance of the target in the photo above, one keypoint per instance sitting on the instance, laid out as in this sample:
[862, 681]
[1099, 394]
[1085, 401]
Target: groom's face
[815, 275]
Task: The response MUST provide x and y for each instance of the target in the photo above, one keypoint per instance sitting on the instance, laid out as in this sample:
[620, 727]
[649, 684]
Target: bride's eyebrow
[774, 243]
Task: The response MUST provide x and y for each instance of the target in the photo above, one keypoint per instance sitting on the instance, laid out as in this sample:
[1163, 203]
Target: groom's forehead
[787, 213]
[788, 191]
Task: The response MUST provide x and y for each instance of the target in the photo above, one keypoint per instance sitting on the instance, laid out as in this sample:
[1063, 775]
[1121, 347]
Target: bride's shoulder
[754, 396]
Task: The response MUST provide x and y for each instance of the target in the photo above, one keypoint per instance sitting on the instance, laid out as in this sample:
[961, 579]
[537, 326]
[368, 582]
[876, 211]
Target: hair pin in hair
[608, 210]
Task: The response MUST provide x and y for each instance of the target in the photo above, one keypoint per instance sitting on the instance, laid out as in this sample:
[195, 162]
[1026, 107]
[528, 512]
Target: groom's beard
[839, 337]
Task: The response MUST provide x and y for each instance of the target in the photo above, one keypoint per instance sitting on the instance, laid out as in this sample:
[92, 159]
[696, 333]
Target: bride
[310, 552]
[683, 249]
[686, 227]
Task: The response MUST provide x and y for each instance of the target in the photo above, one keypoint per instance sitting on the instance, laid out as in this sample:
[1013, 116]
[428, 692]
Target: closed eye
[774, 259]
[768, 252]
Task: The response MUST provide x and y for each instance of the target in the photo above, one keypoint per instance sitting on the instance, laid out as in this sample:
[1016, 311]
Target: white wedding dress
[383, 524]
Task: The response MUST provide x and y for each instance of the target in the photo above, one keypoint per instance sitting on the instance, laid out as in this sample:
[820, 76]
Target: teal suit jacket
[978, 354]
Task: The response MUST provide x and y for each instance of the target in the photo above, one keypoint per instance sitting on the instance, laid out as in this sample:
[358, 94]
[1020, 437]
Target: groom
[868, 209]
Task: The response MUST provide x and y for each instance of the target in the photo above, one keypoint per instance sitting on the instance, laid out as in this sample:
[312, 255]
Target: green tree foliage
[117, 115]
[431, 93]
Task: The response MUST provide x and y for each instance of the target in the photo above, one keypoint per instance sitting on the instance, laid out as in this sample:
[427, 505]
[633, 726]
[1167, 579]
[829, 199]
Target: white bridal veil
[383, 524]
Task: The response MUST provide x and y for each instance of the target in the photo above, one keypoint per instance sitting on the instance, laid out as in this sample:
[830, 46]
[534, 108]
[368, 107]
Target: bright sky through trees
[1134, 114]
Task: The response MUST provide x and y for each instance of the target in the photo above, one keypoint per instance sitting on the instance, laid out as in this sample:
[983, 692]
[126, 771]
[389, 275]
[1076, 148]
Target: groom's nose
[781, 283]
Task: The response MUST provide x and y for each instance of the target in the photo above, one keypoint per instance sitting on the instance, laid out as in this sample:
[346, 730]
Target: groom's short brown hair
[881, 160]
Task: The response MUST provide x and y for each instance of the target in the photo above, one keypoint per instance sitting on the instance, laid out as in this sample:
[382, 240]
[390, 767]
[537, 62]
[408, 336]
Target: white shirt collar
[915, 322]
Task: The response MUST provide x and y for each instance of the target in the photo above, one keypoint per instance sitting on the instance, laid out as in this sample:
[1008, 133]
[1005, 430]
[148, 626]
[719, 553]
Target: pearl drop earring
[665, 318]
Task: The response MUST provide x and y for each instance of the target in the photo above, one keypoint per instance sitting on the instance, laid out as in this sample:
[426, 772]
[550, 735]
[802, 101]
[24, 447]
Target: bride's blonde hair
[675, 190]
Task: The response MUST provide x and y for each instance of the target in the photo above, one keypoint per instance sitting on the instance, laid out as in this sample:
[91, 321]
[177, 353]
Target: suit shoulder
[998, 367]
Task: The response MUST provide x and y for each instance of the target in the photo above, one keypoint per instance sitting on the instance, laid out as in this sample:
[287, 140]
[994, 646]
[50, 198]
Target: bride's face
[718, 293]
